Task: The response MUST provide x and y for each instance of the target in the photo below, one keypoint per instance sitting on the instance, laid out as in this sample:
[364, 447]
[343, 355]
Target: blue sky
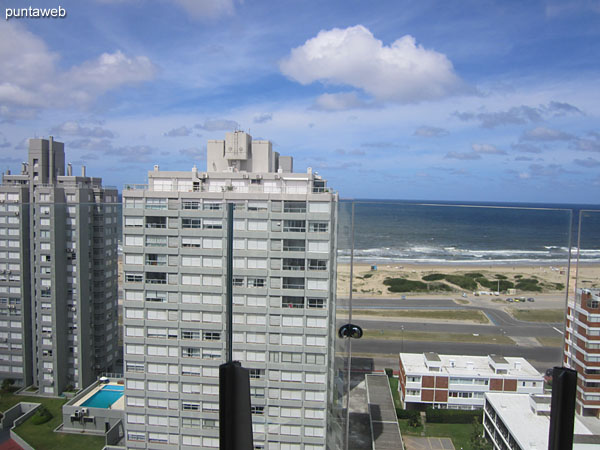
[456, 100]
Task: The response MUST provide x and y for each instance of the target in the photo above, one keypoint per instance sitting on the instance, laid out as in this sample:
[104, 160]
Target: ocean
[473, 233]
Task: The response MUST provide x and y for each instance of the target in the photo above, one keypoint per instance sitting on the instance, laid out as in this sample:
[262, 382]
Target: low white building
[460, 381]
[522, 422]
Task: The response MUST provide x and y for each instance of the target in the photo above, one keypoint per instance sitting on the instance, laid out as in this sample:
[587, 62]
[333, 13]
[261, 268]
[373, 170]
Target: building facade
[522, 422]
[460, 382]
[582, 348]
[283, 287]
[58, 274]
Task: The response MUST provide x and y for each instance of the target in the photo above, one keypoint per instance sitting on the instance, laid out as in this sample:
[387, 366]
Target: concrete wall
[13, 414]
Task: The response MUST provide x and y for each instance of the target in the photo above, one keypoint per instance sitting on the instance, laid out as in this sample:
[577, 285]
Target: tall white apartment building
[582, 348]
[174, 298]
[58, 274]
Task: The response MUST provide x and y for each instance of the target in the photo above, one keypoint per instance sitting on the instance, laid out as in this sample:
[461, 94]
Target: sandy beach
[369, 283]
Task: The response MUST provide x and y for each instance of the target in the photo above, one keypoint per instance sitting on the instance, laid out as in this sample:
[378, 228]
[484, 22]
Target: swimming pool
[105, 397]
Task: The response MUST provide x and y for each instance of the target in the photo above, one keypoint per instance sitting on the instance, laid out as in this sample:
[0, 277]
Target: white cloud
[487, 149]
[206, 8]
[262, 118]
[179, 132]
[338, 102]
[30, 79]
[426, 131]
[402, 72]
[198, 9]
[218, 125]
[71, 128]
[545, 134]
[463, 156]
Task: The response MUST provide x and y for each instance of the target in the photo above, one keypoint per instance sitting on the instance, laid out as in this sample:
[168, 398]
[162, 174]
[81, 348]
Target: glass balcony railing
[487, 297]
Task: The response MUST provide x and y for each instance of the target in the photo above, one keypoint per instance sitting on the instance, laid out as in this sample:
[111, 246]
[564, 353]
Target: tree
[478, 441]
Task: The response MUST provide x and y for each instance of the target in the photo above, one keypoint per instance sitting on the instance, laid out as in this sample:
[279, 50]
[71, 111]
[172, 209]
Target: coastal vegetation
[442, 314]
[539, 315]
[397, 335]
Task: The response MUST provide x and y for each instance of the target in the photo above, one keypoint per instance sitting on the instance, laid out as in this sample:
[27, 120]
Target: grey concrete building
[284, 298]
[58, 273]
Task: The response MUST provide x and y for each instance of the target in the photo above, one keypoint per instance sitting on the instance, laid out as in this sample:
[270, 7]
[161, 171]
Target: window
[257, 225]
[211, 336]
[296, 226]
[156, 222]
[190, 242]
[156, 278]
[318, 227]
[256, 282]
[257, 410]
[257, 244]
[156, 203]
[317, 285]
[156, 241]
[191, 279]
[316, 341]
[292, 302]
[318, 246]
[317, 264]
[256, 374]
[257, 206]
[190, 204]
[191, 261]
[134, 240]
[316, 303]
[212, 206]
[318, 207]
[294, 207]
[191, 223]
[131, 221]
[212, 224]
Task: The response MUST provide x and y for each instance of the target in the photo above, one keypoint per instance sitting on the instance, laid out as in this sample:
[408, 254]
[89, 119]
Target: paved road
[502, 322]
[540, 357]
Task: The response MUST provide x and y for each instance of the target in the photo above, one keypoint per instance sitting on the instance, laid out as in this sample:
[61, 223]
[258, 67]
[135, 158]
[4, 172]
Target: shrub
[499, 276]
[42, 415]
[462, 281]
[474, 275]
[404, 285]
[434, 277]
[440, 287]
[494, 284]
[559, 286]
[367, 275]
[528, 284]
[389, 372]
[451, 415]
[407, 414]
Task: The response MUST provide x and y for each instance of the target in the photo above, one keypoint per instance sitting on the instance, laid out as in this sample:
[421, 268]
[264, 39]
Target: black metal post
[229, 305]
[562, 413]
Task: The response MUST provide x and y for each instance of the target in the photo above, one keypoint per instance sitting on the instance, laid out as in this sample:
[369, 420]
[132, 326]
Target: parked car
[509, 300]
[531, 299]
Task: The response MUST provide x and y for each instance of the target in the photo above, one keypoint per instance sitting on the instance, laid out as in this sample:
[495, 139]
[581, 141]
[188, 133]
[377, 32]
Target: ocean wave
[433, 254]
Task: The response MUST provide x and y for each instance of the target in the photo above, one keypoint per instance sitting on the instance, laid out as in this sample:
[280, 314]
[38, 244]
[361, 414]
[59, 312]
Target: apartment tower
[174, 298]
[582, 348]
[58, 274]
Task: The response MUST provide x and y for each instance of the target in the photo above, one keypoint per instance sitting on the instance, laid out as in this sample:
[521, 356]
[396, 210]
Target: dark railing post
[229, 282]
[562, 413]
[235, 415]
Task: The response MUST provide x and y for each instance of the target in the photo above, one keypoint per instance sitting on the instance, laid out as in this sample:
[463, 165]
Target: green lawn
[42, 437]
[459, 433]
[538, 315]
[394, 387]
[551, 341]
[455, 314]
[398, 335]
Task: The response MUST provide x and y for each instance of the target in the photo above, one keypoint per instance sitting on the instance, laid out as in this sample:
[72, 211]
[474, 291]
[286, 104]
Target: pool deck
[119, 404]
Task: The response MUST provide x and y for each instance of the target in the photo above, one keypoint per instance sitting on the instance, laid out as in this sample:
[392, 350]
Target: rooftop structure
[522, 422]
[58, 280]
[460, 382]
